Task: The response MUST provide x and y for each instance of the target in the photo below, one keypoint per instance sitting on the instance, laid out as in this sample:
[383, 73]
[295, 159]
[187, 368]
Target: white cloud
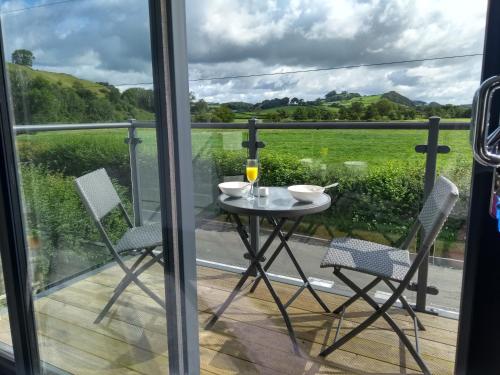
[340, 19]
[108, 40]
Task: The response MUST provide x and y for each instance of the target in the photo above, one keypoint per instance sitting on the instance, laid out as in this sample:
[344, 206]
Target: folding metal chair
[100, 198]
[389, 265]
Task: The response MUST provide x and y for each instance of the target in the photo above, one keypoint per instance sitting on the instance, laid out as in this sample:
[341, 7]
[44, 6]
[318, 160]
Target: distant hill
[397, 98]
[42, 97]
[62, 79]
[342, 106]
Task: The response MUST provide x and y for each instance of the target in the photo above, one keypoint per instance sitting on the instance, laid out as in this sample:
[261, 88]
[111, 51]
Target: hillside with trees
[41, 97]
[343, 106]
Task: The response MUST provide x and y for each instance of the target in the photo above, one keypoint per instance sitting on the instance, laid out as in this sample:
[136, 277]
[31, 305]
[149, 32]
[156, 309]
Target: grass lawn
[334, 147]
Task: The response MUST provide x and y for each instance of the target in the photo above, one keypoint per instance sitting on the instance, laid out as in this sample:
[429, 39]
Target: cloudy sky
[108, 40]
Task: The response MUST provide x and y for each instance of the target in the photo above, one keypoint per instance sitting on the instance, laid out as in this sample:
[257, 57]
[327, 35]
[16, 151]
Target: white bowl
[235, 188]
[306, 193]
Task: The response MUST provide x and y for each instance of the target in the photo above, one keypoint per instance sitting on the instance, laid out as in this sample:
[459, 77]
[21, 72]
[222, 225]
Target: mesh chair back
[97, 193]
[437, 208]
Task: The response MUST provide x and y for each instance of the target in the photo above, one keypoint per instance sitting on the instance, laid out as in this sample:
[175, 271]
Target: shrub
[277, 169]
[390, 194]
[77, 155]
[56, 217]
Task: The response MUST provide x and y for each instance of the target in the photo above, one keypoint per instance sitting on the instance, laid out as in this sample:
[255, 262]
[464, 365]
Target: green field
[328, 147]
[334, 147]
[331, 147]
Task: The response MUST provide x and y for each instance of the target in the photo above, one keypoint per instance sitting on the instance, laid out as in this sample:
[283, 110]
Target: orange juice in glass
[252, 172]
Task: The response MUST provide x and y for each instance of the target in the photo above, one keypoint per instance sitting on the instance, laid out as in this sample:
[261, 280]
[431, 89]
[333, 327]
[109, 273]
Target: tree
[325, 114]
[223, 113]
[199, 108]
[273, 117]
[312, 113]
[273, 103]
[23, 57]
[343, 113]
[114, 95]
[139, 97]
[357, 109]
[299, 114]
[330, 96]
[282, 113]
[384, 107]
[371, 113]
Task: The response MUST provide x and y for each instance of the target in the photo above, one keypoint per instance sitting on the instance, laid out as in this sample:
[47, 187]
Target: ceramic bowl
[235, 188]
[306, 193]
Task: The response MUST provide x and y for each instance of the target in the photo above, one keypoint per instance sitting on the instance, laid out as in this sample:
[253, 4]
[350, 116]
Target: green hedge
[55, 216]
[391, 194]
[383, 200]
[77, 153]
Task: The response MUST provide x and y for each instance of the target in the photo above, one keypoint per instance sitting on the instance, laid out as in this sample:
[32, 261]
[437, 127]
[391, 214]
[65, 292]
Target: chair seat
[140, 238]
[368, 257]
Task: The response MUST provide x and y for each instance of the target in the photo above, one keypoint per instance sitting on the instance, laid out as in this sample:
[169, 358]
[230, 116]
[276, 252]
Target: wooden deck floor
[250, 338]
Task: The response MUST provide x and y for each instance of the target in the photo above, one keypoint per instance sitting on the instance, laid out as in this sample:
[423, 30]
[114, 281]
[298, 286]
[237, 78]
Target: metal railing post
[133, 140]
[253, 153]
[429, 180]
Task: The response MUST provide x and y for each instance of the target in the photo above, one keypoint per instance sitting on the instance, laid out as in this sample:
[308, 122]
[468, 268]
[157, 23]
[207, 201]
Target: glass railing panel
[373, 201]
[146, 167]
[63, 240]
[381, 180]
[218, 157]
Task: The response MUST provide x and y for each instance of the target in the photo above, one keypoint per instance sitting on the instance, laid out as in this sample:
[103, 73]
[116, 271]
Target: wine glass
[252, 172]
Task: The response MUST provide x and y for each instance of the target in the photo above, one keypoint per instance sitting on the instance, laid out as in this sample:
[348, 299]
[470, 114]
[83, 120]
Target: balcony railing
[432, 149]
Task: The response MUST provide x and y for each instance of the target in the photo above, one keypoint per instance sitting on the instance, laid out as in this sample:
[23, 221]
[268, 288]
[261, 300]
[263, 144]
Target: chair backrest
[97, 192]
[436, 209]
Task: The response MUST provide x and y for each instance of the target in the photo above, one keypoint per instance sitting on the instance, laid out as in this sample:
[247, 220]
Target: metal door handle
[485, 142]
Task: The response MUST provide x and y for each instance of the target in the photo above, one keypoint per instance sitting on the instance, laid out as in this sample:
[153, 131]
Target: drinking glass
[252, 172]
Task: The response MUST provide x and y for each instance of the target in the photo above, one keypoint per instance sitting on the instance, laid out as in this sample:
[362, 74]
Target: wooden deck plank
[334, 300]
[310, 326]
[250, 338]
[64, 356]
[237, 339]
[307, 303]
[356, 313]
[226, 280]
[311, 332]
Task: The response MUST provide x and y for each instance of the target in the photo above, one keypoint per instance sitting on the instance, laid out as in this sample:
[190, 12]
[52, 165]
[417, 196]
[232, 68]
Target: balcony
[74, 277]
[250, 338]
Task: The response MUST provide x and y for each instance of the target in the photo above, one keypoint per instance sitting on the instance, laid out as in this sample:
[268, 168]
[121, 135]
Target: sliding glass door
[85, 125]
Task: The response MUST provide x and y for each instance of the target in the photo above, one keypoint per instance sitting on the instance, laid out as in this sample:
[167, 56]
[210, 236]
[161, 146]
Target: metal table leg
[256, 257]
[284, 244]
[299, 270]
[277, 252]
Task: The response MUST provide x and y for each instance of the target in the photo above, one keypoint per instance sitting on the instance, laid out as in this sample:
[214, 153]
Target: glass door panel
[79, 72]
[339, 93]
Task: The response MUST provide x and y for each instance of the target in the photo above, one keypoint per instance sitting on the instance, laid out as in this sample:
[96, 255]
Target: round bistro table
[277, 207]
